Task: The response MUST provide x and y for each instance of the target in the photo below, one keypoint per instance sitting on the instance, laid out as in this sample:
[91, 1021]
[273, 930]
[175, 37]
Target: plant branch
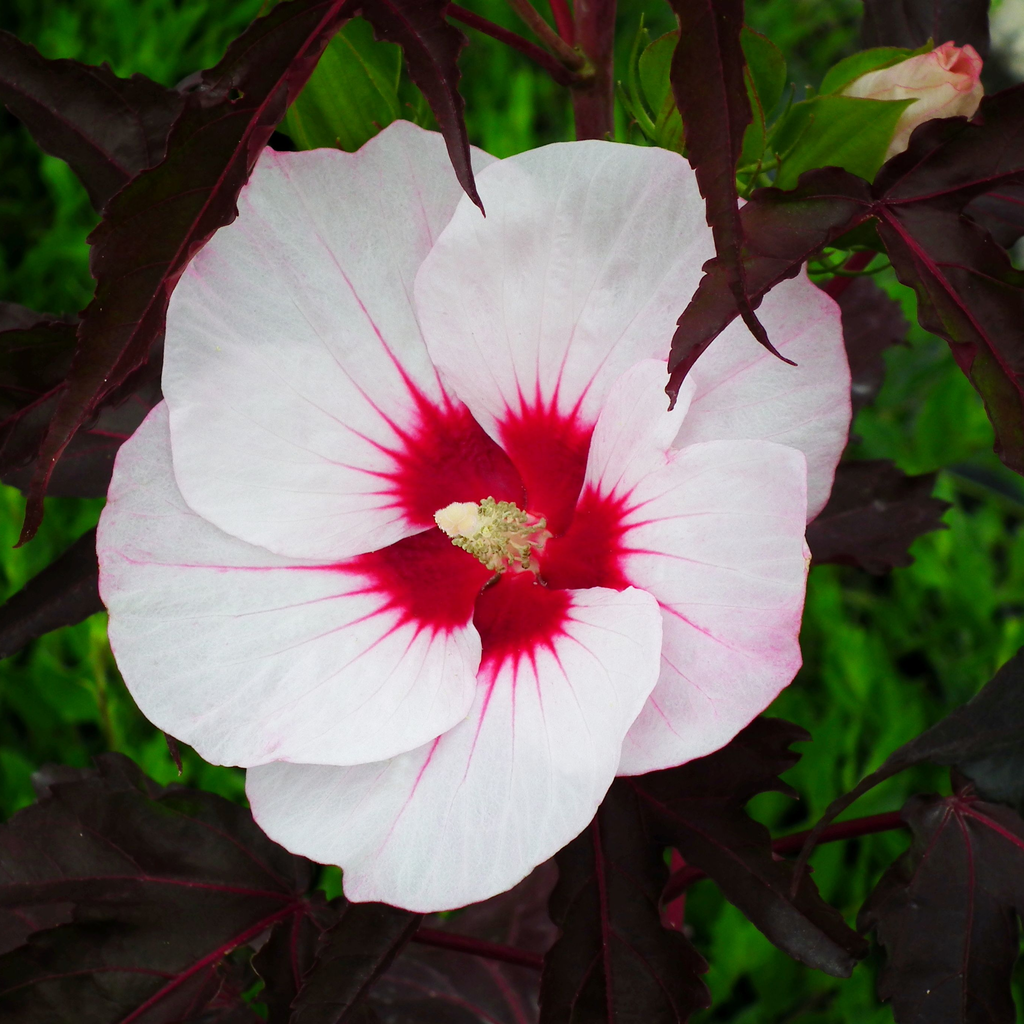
[571, 58]
[593, 99]
[555, 68]
[682, 880]
[564, 22]
[478, 947]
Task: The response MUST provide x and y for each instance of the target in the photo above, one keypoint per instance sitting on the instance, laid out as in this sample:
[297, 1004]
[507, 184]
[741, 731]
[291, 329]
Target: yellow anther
[498, 533]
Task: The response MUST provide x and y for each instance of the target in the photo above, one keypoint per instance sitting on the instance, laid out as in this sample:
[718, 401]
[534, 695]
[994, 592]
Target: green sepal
[840, 75]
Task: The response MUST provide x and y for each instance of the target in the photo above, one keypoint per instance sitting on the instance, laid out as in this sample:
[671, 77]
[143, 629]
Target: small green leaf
[851, 68]
[655, 64]
[835, 131]
[352, 94]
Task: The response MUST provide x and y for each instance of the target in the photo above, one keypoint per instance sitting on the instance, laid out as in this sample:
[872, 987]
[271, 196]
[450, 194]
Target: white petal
[715, 532]
[252, 657]
[471, 814]
[295, 372]
[587, 256]
[743, 391]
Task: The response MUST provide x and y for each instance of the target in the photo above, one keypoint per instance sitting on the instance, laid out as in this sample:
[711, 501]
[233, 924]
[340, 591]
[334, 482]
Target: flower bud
[943, 83]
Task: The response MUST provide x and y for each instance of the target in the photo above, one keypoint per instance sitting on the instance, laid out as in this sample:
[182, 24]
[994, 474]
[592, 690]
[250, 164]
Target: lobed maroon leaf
[613, 960]
[431, 46]
[872, 323]
[781, 231]
[15, 317]
[448, 987]
[106, 128]
[951, 160]
[968, 291]
[874, 514]
[65, 592]
[983, 739]
[1000, 212]
[34, 362]
[711, 94]
[351, 956]
[698, 809]
[947, 913]
[18, 923]
[155, 225]
[164, 885]
[911, 23]
[287, 956]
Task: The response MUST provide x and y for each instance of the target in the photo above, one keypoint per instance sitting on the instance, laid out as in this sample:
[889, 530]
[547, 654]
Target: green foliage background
[884, 657]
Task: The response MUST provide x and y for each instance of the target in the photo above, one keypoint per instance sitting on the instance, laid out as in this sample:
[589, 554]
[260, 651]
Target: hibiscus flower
[413, 536]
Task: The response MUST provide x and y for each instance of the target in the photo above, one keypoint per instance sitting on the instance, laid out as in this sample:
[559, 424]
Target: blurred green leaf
[352, 94]
[835, 131]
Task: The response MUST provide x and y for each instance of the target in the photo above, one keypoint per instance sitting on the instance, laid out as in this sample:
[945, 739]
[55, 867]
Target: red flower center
[540, 467]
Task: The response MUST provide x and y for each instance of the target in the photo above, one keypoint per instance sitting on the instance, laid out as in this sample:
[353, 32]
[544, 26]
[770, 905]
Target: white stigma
[459, 519]
[497, 533]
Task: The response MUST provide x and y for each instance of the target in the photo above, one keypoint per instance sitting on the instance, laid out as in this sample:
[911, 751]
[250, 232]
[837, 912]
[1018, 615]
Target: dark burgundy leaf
[983, 739]
[911, 23]
[155, 225]
[427, 983]
[431, 46]
[108, 129]
[1001, 213]
[990, 724]
[947, 911]
[165, 885]
[781, 230]
[614, 961]
[17, 924]
[34, 358]
[351, 956]
[968, 291]
[65, 592]
[698, 809]
[711, 94]
[951, 160]
[288, 954]
[969, 294]
[15, 317]
[872, 322]
[874, 514]
[34, 362]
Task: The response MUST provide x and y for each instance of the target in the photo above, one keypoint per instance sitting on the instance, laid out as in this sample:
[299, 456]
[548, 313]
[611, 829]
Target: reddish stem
[548, 37]
[683, 879]
[558, 71]
[563, 20]
[593, 99]
[839, 284]
[478, 947]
